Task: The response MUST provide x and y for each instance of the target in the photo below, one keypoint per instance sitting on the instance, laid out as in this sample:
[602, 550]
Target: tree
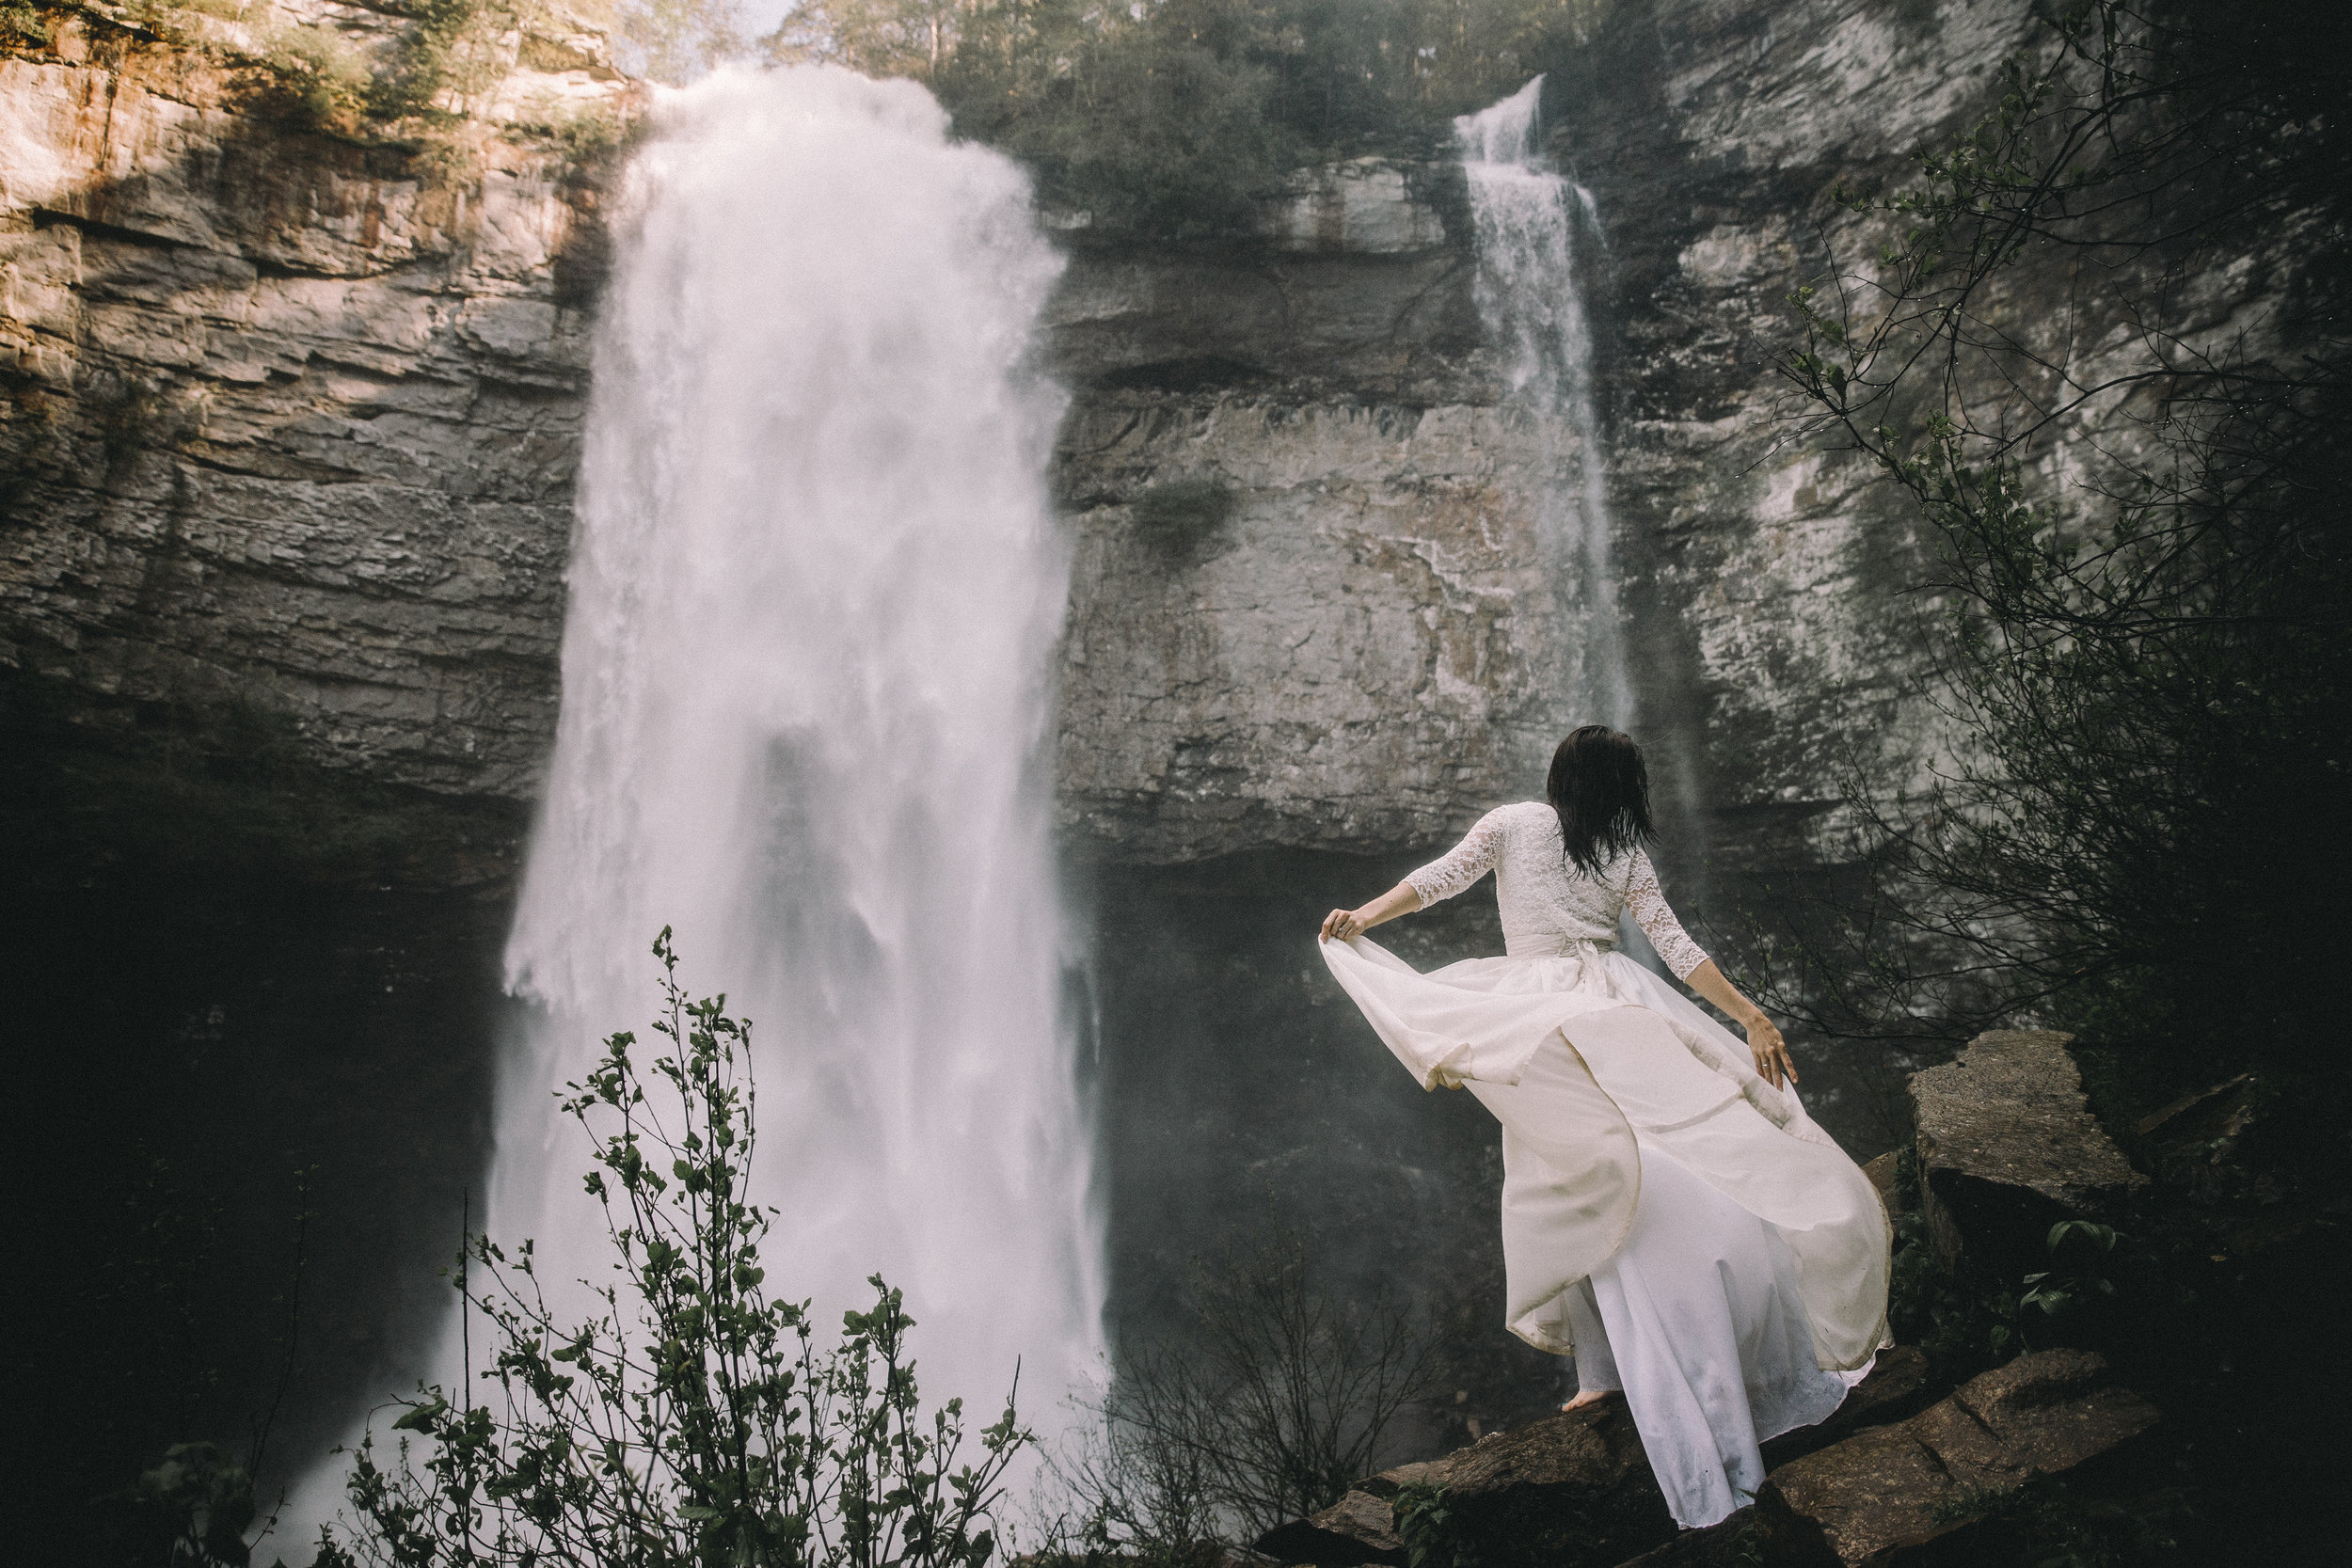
[677, 40]
[2140, 605]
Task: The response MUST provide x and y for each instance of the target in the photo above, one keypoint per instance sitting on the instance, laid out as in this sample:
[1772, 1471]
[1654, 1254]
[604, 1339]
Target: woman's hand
[1769, 1051]
[1764, 1042]
[1347, 924]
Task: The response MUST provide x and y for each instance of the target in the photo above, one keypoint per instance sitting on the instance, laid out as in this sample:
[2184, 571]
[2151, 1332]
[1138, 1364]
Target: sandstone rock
[1369, 206]
[310, 422]
[1388, 1483]
[1730, 1542]
[1360, 1527]
[295, 420]
[1896, 1487]
[1574, 1488]
[1882, 1172]
[2007, 1146]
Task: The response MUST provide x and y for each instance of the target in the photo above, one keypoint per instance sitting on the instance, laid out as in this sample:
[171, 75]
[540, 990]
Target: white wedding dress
[1670, 1219]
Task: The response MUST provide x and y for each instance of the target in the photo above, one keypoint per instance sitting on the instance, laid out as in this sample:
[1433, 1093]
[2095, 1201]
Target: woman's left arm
[1764, 1042]
[1347, 924]
[1695, 968]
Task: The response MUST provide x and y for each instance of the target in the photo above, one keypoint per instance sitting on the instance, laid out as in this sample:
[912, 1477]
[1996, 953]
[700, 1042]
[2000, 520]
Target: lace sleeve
[1647, 901]
[1461, 865]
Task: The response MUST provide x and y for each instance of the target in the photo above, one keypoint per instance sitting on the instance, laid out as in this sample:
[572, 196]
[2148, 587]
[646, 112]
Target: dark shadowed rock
[1572, 1489]
[1389, 1482]
[2006, 1148]
[1356, 1530]
[1575, 1488]
[1729, 1544]
[1881, 1174]
[1897, 1487]
[1360, 1527]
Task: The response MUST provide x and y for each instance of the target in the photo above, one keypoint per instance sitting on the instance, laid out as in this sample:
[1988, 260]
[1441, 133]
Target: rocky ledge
[293, 412]
[2006, 1148]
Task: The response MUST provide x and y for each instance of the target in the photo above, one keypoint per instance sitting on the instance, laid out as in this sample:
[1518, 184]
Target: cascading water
[1530, 295]
[807, 697]
[814, 596]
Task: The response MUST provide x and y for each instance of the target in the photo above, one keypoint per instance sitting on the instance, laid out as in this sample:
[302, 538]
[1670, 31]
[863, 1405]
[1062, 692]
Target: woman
[1671, 1216]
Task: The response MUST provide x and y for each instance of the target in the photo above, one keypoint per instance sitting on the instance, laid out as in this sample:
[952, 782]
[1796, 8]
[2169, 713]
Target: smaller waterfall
[1528, 220]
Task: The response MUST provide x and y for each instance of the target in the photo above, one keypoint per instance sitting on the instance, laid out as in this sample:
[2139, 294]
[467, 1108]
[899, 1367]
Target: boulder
[1882, 1172]
[1730, 1542]
[1573, 1490]
[1358, 1529]
[1569, 1490]
[2006, 1148]
[1891, 1489]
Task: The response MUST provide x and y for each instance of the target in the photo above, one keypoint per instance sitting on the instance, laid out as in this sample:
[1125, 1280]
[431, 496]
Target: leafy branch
[688, 1418]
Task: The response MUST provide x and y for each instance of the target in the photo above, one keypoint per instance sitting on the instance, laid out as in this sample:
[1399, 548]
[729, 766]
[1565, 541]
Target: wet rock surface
[1901, 1384]
[2007, 1146]
[1880, 1478]
[1900, 1487]
[1585, 1465]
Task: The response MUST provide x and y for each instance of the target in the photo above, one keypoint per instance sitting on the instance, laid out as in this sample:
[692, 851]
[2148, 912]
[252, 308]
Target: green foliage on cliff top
[1169, 116]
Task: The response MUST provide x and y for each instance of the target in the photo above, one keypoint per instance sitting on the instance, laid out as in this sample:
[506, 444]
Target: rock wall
[292, 414]
[292, 422]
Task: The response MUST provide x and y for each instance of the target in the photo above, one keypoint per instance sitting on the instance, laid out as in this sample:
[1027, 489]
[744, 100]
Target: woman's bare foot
[1589, 1396]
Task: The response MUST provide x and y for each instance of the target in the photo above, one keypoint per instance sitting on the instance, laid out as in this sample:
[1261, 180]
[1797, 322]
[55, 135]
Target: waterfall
[815, 591]
[1528, 220]
[807, 661]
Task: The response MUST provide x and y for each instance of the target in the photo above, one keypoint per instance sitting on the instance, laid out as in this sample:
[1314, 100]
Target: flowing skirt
[1675, 1222]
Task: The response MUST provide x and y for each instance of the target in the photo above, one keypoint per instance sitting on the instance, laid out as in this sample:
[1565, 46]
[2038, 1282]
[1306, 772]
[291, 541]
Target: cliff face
[1367, 654]
[293, 422]
[293, 414]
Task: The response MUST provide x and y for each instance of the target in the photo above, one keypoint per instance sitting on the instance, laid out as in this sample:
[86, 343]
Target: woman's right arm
[1440, 878]
[1347, 924]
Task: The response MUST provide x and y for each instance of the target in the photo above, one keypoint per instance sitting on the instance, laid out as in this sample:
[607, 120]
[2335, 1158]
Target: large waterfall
[1529, 221]
[815, 590]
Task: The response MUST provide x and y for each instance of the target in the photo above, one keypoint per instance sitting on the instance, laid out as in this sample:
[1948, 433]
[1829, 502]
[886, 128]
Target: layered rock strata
[292, 414]
[293, 421]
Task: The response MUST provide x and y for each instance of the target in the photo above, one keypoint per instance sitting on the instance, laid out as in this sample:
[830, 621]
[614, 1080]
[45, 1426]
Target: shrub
[21, 22]
[1265, 1405]
[691, 1420]
[324, 79]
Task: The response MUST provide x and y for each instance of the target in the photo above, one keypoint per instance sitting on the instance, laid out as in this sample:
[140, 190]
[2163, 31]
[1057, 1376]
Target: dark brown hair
[1600, 787]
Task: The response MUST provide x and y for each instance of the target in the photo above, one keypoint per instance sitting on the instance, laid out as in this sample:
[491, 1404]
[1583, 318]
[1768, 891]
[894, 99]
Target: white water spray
[814, 594]
[806, 699]
[1530, 297]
